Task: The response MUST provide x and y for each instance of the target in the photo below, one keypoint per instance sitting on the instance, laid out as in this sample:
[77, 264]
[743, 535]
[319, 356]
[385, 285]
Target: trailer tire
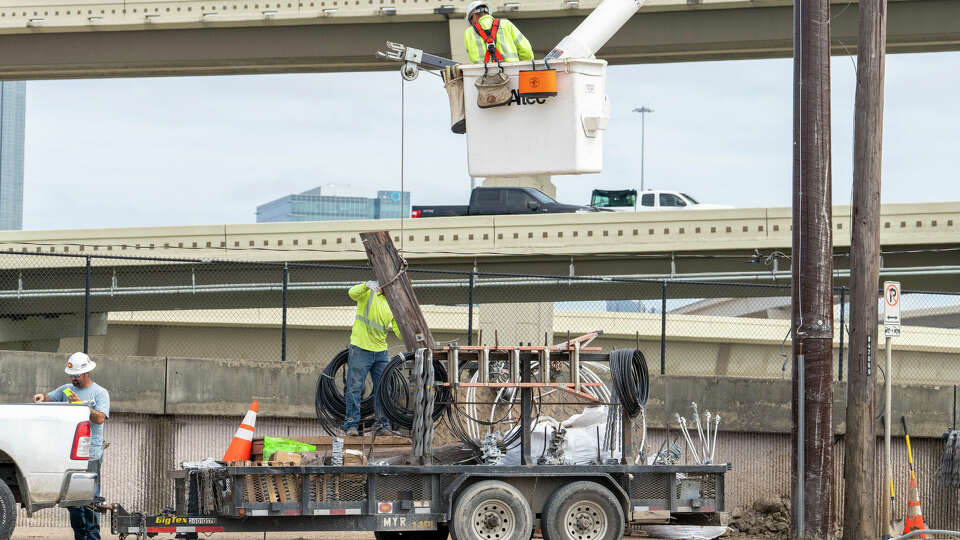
[8, 511]
[441, 533]
[491, 510]
[582, 511]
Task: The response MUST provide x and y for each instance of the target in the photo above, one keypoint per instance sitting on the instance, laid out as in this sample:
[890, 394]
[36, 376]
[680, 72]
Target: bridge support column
[516, 323]
[538, 181]
[456, 26]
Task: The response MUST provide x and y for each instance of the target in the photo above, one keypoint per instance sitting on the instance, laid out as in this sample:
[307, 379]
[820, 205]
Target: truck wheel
[582, 511]
[441, 533]
[8, 511]
[491, 510]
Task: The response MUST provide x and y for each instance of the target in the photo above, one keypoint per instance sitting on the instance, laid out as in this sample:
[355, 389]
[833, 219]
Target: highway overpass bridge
[45, 39]
[43, 271]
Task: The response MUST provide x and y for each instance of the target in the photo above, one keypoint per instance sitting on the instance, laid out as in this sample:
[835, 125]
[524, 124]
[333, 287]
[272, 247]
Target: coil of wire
[394, 398]
[631, 381]
[330, 403]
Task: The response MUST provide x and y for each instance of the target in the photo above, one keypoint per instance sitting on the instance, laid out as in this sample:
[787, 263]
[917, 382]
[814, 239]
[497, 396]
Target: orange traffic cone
[240, 446]
[914, 518]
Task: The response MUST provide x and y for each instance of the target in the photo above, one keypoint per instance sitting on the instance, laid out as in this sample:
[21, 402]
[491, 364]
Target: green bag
[272, 445]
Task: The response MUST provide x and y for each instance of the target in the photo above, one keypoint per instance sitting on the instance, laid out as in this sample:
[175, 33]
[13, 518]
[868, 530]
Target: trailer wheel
[441, 533]
[8, 511]
[582, 511]
[491, 510]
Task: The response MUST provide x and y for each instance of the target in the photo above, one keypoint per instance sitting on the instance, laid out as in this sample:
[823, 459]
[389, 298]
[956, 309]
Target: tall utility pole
[860, 502]
[643, 110]
[812, 330]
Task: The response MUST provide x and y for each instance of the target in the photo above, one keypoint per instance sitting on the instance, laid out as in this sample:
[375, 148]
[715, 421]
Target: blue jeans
[359, 363]
[84, 521]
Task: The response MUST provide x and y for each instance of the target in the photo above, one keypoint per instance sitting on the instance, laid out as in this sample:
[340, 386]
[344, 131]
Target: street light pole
[643, 110]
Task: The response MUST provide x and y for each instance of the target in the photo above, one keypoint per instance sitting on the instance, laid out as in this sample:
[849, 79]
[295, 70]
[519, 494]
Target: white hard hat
[473, 7]
[79, 363]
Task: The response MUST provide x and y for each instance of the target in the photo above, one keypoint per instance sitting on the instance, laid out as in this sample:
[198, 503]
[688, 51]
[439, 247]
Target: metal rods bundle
[706, 453]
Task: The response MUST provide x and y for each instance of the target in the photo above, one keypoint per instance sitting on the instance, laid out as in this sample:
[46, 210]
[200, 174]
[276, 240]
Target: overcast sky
[204, 150]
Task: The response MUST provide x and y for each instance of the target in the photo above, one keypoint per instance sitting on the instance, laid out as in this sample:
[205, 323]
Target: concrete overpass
[45, 39]
[42, 271]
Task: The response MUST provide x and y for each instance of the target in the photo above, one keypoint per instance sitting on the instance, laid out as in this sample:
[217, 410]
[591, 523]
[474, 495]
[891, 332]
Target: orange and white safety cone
[240, 446]
[914, 517]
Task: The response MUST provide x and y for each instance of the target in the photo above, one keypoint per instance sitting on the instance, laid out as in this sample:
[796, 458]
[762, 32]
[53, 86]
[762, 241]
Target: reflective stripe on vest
[365, 318]
[489, 40]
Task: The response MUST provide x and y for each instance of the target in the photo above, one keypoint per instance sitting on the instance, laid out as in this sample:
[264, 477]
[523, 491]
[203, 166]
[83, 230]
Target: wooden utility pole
[390, 270]
[812, 470]
[860, 501]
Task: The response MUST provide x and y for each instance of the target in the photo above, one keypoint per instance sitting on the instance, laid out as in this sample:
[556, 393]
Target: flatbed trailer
[599, 501]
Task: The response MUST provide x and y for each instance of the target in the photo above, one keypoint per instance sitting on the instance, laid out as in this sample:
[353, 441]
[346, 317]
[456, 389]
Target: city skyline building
[334, 202]
[13, 105]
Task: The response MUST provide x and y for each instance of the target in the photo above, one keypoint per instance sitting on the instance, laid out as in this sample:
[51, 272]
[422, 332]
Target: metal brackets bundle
[490, 449]
[950, 466]
[423, 382]
[553, 454]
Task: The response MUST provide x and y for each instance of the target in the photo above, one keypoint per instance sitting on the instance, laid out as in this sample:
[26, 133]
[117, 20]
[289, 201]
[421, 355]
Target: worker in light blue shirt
[83, 391]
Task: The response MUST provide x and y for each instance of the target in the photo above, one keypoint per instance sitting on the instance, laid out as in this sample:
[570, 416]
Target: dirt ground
[47, 533]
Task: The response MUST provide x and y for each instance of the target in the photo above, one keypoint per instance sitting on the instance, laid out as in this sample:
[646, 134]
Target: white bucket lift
[562, 134]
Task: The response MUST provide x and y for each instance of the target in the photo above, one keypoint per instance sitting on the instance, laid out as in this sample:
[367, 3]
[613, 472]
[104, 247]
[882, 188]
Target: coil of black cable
[393, 395]
[330, 403]
[631, 381]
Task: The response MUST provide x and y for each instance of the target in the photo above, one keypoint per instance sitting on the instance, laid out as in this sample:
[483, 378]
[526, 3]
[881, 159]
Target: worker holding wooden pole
[368, 353]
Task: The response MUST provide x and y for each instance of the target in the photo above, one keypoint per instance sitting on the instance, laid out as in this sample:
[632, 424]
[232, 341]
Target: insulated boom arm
[413, 59]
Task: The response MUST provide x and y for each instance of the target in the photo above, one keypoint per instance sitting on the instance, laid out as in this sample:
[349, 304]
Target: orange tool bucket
[538, 83]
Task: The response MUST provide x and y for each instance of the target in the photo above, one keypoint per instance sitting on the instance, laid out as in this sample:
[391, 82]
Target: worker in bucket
[83, 391]
[508, 42]
[367, 353]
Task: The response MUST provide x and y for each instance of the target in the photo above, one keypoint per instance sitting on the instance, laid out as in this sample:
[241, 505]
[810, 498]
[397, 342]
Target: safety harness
[490, 39]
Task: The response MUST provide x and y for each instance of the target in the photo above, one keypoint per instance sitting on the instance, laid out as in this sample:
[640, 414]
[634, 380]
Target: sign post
[891, 329]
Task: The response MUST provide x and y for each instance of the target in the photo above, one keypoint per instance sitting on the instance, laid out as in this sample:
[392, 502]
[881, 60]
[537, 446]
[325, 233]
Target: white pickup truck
[625, 200]
[44, 453]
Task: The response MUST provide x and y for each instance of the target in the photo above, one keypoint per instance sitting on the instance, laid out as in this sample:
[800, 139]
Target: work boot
[352, 432]
[385, 431]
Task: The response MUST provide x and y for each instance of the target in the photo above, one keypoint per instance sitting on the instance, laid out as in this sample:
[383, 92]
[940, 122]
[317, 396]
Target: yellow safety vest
[510, 41]
[372, 320]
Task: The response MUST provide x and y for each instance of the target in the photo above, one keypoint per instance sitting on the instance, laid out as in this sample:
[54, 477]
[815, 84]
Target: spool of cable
[330, 403]
[631, 381]
[395, 401]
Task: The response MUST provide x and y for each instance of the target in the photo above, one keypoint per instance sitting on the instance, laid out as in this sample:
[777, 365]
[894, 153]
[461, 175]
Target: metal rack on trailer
[393, 501]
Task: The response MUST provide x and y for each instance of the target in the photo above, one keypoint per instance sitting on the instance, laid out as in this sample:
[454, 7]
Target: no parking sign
[891, 308]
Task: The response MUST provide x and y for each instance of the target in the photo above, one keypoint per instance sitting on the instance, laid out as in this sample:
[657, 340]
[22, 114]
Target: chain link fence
[296, 312]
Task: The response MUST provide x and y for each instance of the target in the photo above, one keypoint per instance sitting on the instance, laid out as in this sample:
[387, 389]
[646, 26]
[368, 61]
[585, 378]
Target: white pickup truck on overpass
[625, 200]
[44, 450]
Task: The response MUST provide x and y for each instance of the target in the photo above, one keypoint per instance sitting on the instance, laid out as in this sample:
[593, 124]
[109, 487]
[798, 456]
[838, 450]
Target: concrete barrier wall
[207, 387]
